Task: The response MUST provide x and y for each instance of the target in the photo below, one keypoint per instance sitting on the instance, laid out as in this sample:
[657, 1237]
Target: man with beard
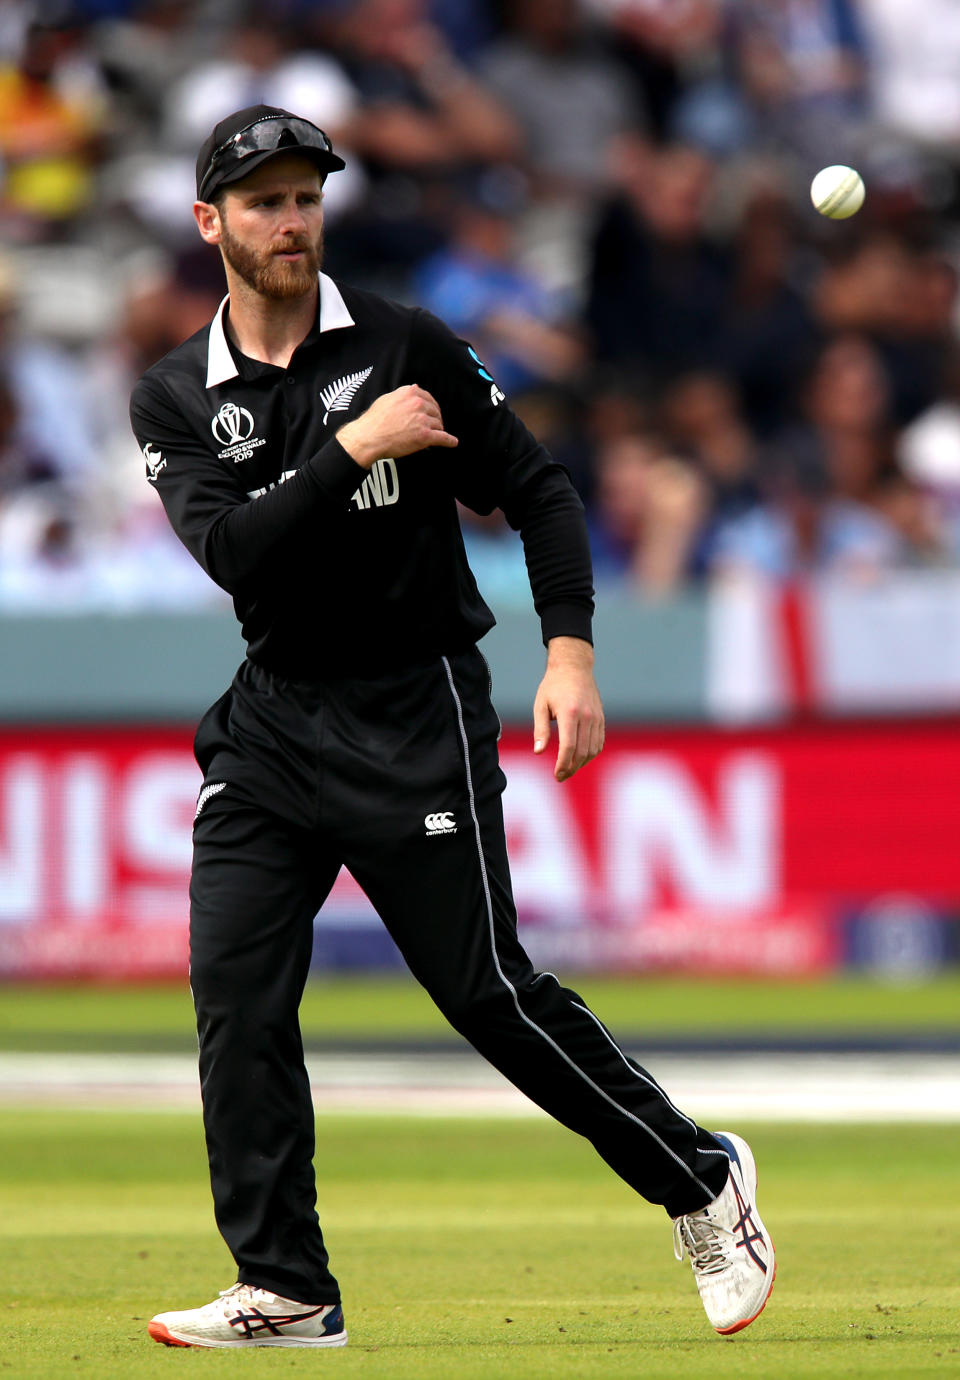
[310, 446]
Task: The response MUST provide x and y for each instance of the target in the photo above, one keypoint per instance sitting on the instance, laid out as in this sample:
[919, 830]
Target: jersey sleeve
[229, 534]
[498, 463]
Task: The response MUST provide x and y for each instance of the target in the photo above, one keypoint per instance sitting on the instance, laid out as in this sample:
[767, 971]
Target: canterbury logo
[206, 793]
[440, 823]
[232, 424]
[338, 396]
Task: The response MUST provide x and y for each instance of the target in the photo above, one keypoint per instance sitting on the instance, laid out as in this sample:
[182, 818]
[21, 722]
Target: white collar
[220, 364]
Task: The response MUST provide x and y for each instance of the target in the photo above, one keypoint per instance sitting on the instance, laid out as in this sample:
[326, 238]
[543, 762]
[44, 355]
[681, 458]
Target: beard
[269, 276]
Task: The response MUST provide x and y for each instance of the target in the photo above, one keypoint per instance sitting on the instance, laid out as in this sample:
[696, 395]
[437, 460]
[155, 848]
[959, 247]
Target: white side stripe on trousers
[631, 1116]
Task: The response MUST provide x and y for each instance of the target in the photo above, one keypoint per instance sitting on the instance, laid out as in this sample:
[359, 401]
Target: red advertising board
[688, 849]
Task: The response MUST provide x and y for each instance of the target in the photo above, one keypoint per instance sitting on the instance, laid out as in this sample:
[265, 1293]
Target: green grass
[479, 1249]
[161, 1017]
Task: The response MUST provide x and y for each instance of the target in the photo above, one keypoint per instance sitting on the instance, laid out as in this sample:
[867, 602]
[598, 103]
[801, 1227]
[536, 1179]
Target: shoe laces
[238, 1294]
[703, 1240]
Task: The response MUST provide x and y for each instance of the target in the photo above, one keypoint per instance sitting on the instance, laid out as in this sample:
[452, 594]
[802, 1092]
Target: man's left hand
[568, 695]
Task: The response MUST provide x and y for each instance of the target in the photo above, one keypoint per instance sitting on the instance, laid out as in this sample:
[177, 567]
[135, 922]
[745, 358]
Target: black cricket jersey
[333, 569]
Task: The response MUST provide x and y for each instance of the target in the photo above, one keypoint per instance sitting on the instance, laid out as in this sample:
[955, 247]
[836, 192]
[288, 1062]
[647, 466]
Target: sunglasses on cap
[266, 135]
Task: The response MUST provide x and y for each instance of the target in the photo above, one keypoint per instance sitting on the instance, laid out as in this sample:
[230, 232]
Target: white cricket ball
[837, 191]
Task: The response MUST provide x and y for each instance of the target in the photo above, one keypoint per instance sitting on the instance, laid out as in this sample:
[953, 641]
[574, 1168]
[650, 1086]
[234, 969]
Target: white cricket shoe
[729, 1247]
[246, 1316]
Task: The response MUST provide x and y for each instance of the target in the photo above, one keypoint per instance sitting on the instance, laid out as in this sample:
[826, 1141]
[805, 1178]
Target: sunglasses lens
[266, 135]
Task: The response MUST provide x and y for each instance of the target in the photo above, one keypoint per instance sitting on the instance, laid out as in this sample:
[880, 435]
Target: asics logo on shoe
[745, 1230]
[253, 1323]
[440, 822]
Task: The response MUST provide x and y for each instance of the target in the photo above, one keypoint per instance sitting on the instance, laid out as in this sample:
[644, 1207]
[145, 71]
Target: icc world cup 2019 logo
[232, 424]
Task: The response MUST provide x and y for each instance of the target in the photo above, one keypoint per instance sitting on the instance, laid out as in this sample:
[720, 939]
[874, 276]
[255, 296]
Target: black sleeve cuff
[566, 620]
[335, 472]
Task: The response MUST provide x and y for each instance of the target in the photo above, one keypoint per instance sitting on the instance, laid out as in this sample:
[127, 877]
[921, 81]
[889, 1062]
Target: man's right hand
[398, 423]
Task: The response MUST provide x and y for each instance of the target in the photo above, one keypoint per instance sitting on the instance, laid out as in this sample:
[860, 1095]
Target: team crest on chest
[338, 396]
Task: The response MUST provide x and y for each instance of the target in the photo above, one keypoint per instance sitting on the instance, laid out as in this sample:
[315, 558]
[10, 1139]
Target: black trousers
[397, 778]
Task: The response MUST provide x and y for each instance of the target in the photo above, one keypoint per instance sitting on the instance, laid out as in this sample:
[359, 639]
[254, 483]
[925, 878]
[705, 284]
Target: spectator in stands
[144, 49]
[150, 321]
[578, 112]
[846, 432]
[703, 421]
[803, 529]
[904, 299]
[572, 99]
[423, 118]
[927, 538]
[768, 330]
[43, 566]
[619, 403]
[22, 464]
[422, 110]
[658, 282]
[800, 69]
[53, 112]
[823, 477]
[672, 49]
[475, 284]
[649, 507]
[46, 383]
[467, 26]
[844, 438]
[914, 59]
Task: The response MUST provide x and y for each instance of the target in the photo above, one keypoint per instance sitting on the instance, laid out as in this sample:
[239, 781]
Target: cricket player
[310, 446]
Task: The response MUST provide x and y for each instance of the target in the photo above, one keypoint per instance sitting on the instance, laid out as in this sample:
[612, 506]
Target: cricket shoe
[729, 1247]
[246, 1316]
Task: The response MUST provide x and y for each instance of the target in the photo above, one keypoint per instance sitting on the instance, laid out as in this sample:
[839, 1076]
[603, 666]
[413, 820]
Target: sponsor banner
[784, 942]
[772, 851]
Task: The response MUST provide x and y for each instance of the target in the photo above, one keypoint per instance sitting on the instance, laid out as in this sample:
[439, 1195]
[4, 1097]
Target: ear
[208, 221]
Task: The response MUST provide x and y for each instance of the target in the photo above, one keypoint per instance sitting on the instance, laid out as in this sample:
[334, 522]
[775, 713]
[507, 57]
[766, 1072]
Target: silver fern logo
[205, 795]
[338, 396]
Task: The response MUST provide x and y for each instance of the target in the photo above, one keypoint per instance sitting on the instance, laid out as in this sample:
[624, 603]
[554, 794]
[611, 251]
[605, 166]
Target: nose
[292, 219]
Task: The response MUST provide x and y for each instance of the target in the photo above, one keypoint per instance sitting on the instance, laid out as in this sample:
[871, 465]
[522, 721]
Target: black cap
[248, 137]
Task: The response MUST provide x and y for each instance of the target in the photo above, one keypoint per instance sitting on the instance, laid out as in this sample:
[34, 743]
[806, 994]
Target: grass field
[161, 1017]
[479, 1248]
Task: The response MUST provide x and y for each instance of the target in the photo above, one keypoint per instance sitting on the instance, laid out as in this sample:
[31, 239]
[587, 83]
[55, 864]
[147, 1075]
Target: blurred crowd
[608, 198]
